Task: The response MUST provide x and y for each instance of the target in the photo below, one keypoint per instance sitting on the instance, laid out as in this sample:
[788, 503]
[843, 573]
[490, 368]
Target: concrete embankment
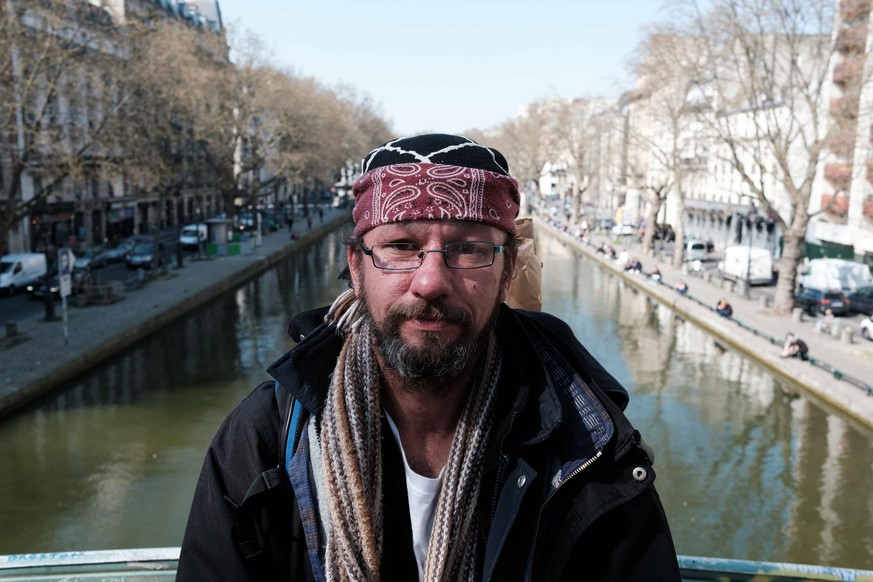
[42, 359]
[755, 330]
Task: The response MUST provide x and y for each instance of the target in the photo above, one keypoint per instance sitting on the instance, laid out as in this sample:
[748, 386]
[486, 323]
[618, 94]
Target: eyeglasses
[468, 254]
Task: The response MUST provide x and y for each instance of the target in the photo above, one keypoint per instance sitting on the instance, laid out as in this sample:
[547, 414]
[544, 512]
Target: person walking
[421, 429]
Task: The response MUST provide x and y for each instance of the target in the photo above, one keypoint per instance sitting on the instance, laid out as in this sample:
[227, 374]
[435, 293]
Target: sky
[453, 65]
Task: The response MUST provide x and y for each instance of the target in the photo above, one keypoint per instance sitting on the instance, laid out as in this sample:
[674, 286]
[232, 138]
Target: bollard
[797, 315]
[707, 277]
[848, 335]
[11, 329]
[764, 300]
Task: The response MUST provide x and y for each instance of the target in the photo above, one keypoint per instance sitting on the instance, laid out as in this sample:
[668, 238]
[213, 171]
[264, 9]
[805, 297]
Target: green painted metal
[159, 565]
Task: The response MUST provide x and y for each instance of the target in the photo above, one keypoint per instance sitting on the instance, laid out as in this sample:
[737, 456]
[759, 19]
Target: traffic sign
[66, 285]
[66, 260]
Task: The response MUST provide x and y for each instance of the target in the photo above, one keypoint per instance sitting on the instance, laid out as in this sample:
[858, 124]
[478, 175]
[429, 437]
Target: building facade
[93, 204]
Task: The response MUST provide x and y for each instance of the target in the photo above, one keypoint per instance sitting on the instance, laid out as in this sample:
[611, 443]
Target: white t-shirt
[422, 493]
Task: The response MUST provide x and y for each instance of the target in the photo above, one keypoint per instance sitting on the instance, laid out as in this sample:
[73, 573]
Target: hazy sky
[453, 65]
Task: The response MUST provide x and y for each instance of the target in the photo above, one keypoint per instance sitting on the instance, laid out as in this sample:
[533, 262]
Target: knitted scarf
[350, 437]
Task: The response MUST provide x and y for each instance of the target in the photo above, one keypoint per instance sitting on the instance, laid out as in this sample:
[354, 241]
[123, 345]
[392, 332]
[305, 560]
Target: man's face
[430, 322]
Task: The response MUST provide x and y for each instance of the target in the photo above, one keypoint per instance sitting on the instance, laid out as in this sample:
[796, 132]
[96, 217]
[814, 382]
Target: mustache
[430, 310]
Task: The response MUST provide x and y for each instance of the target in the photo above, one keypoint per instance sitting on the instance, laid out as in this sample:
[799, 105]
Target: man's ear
[511, 273]
[354, 269]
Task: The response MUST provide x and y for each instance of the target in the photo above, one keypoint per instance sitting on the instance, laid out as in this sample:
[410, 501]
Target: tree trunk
[679, 232]
[651, 222]
[792, 254]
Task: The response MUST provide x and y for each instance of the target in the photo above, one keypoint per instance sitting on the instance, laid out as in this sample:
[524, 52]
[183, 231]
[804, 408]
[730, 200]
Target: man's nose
[433, 278]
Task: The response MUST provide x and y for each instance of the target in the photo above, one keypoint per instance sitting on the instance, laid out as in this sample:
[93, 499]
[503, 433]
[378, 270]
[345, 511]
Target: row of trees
[742, 84]
[151, 104]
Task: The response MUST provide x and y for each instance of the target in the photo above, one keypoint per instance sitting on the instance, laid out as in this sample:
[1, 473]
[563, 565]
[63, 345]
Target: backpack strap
[291, 428]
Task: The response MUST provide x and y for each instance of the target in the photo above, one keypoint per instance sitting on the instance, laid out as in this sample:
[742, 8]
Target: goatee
[433, 365]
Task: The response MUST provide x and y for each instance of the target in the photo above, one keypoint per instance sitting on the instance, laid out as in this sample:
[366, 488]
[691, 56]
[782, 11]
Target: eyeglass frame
[423, 252]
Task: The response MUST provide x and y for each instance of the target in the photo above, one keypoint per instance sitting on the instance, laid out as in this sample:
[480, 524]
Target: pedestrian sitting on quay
[634, 266]
[825, 324]
[723, 308]
[681, 288]
[794, 347]
[655, 275]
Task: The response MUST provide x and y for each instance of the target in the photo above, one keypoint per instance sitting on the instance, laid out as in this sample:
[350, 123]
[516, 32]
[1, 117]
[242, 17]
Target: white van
[738, 263]
[697, 250]
[19, 270]
[835, 274]
[192, 236]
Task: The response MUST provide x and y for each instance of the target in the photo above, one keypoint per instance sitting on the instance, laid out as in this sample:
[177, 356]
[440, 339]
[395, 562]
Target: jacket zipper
[533, 543]
[501, 468]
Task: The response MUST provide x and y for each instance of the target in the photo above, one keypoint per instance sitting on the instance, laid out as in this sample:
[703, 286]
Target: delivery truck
[753, 263]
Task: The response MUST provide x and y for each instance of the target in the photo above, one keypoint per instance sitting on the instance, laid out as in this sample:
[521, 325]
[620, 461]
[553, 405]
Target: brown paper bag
[525, 292]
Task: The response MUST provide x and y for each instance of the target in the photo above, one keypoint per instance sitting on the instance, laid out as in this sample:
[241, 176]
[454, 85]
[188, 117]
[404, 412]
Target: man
[435, 433]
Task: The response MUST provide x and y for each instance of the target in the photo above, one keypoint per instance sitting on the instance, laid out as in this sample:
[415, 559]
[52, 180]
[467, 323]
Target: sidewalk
[38, 361]
[838, 357]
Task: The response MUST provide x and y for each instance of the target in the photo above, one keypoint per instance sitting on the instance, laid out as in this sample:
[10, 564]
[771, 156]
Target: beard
[434, 363]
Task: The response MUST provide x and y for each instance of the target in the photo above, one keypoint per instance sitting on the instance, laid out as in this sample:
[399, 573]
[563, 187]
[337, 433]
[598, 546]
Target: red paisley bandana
[427, 191]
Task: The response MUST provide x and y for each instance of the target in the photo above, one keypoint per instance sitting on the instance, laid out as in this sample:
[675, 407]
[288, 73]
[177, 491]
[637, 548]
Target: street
[21, 307]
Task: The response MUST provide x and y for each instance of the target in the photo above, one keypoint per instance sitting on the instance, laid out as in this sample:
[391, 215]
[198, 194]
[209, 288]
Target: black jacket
[558, 413]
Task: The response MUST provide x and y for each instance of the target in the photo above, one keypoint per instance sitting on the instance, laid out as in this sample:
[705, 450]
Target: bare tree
[57, 93]
[571, 145]
[524, 142]
[667, 99]
[769, 61]
[160, 129]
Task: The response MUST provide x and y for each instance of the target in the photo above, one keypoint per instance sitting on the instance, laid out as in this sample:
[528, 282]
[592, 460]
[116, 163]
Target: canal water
[747, 468]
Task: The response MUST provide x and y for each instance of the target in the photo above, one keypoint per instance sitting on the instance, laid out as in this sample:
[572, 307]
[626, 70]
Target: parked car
[192, 236]
[117, 253]
[867, 327]
[697, 250]
[605, 223]
[623, 230]
[89, 258]
[140, 257]
[37, 290]
[862, 299]
[816, 301]
[664, 232]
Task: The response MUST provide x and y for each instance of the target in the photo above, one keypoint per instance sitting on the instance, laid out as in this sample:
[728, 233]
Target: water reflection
[747, 468]
[111, 460]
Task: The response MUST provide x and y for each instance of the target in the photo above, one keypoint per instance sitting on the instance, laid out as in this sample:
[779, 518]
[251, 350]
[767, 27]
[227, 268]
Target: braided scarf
[349, 428]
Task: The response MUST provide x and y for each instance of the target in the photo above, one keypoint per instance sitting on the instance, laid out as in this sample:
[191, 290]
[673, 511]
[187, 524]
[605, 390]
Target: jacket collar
[558, 388]
[305, 370]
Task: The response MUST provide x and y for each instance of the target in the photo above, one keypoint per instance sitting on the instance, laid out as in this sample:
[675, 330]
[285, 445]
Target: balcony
[852, 40]
[835, 204]
[839, 175]
[844, 107]
[842, 139]
[852, 10]
[847, 72]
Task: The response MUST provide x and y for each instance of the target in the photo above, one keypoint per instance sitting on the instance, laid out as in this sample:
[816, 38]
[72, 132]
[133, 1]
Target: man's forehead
[445, 228]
